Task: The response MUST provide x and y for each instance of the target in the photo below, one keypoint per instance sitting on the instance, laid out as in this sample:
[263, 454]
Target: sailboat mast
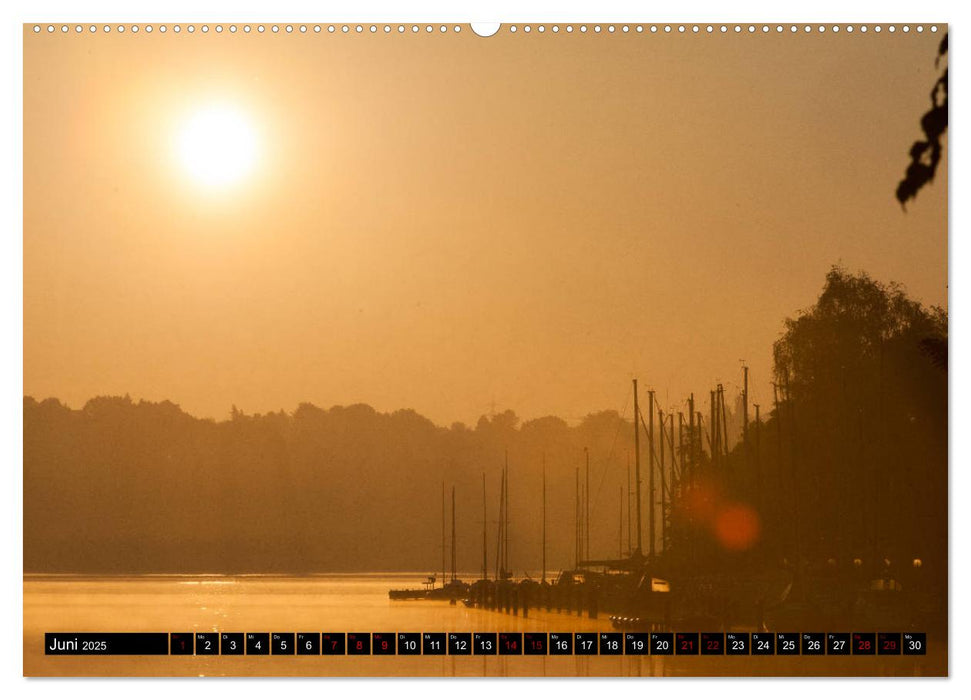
[672, 489]
[620, 530]
[701, 434]
[443, 535]
[660, 420]
[629, 548]
[485, 525]
[650, 448]
[637, 465]
[691, 436]
[586, 506]
[745, 406]
[576, 528]
[453, 534]
[682, 471]
[724, 417]
[758, 458]
[543, 579]
[505, 530]
[502, 496]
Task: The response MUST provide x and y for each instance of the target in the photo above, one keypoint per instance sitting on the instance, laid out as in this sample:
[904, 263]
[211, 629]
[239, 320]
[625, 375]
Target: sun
[217, 145]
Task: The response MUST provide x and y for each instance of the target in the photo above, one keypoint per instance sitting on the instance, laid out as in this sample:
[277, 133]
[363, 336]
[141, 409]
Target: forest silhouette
[851, 460]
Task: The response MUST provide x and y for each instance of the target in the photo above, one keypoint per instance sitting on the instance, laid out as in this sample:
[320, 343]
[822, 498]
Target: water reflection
[351, 603]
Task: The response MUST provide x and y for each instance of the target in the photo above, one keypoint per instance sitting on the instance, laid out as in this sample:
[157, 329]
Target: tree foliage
[858, 445]
[925, 154]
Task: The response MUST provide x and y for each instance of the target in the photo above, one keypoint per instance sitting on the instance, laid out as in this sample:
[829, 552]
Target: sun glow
[217, 146]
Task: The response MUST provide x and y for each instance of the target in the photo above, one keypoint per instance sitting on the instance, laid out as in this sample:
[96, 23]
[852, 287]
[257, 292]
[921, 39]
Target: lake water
[352, 603]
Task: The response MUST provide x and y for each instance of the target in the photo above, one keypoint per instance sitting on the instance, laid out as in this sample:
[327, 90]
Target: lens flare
[737, 527]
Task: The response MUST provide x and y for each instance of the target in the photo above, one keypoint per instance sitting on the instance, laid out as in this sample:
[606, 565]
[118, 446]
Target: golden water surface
[352, 603]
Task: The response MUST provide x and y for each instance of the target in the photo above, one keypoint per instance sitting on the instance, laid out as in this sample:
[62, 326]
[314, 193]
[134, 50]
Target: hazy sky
[441, 222]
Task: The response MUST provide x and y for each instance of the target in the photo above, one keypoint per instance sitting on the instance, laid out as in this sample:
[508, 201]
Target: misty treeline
[851, 461]
[120, 485]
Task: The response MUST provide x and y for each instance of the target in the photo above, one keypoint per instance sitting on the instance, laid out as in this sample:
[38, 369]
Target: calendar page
[436, 349]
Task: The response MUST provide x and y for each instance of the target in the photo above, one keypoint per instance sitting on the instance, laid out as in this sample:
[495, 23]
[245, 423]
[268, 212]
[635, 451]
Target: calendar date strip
[485, 644]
